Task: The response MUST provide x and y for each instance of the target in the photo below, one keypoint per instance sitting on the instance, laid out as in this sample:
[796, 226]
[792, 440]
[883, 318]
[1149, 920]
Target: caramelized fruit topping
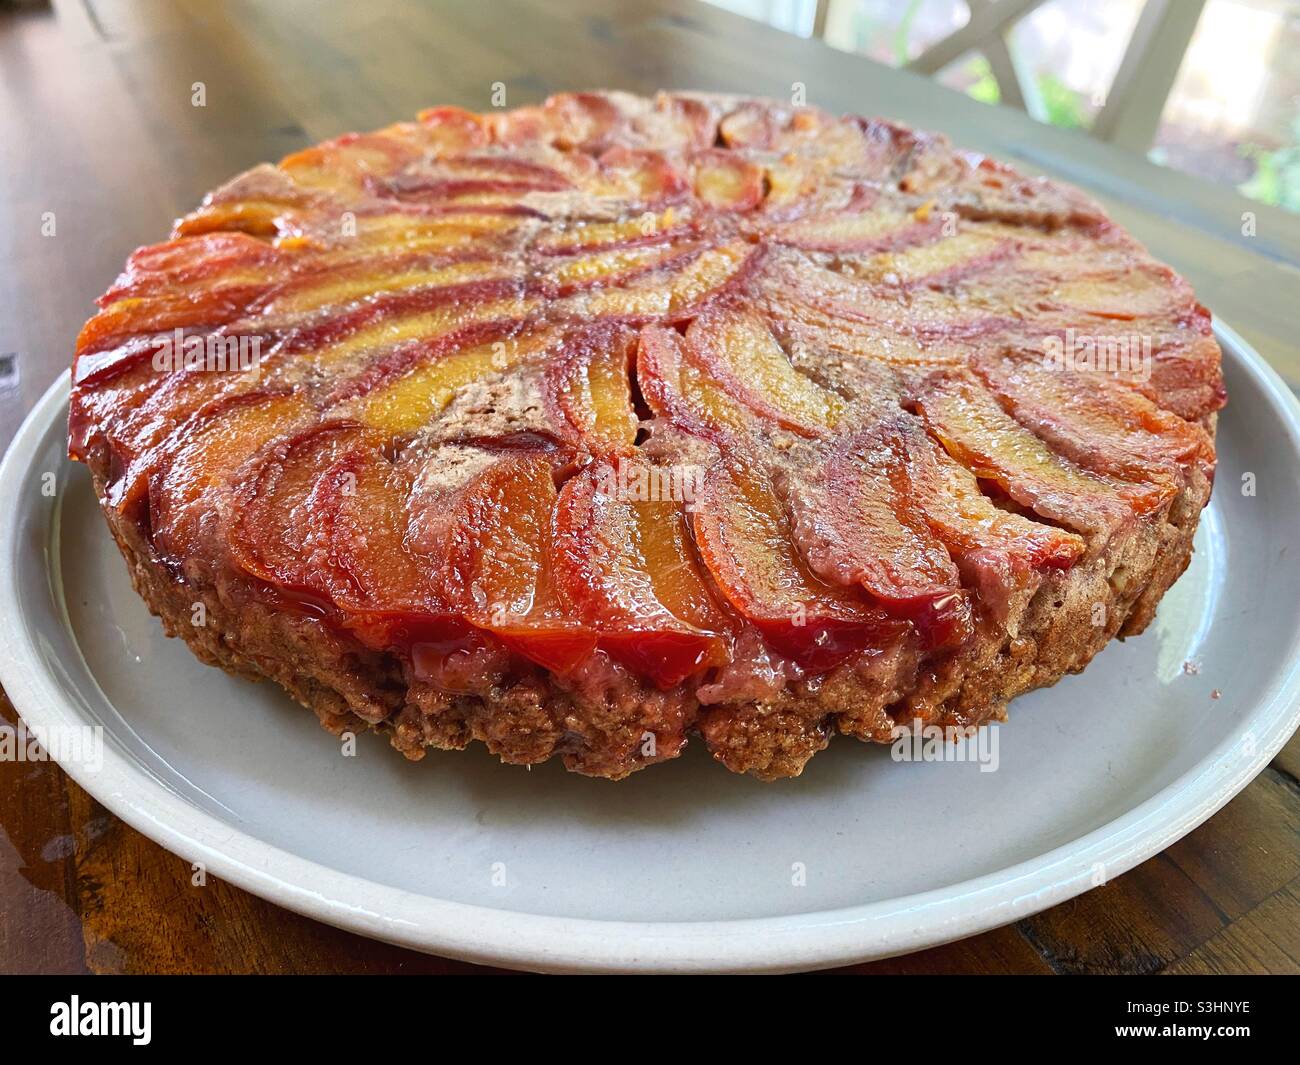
[478, 336]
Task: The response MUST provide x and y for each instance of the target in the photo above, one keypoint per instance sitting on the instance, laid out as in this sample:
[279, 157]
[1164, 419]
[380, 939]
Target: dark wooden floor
[97, 128]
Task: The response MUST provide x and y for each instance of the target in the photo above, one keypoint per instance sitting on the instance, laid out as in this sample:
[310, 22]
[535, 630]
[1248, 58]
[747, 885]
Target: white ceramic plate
[683, 867]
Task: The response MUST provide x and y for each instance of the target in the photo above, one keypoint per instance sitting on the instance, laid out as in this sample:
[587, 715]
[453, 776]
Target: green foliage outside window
[1276, 180]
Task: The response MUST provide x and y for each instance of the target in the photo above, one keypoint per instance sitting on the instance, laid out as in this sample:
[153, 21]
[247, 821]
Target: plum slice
[1097, 420]
[452, 130]
[725, 181]
[856, 522]
[104, 345]
[603, 236]
[834, 144]
[166, 408]
[979, 434]
[641, 175]
[675, 292]
[229, 258]
[744, 537]
[627, 568]
[490, 543]
[857, 231]
[386, 593]
[197, 459]
[978, 533]
[738, 349]
[943, 262]
[589, 389]
[322, 517]
[676, 389]
[345, 164]
[614, 266]
[360, 280]
[402, 402]
[275, 530]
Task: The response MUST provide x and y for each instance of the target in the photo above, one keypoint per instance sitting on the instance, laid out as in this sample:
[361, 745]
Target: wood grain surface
[97, 128]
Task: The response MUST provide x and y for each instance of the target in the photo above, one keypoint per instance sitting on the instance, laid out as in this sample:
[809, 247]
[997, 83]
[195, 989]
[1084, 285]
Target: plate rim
[884, 928]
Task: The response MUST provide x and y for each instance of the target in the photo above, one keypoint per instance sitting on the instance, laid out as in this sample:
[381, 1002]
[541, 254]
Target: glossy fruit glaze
[640, 375]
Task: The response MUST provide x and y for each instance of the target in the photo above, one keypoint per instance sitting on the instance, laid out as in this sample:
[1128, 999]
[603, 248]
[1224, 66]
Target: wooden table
[97, 127]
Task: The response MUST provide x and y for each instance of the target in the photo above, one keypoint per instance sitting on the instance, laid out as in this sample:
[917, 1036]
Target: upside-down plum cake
[586, 428]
